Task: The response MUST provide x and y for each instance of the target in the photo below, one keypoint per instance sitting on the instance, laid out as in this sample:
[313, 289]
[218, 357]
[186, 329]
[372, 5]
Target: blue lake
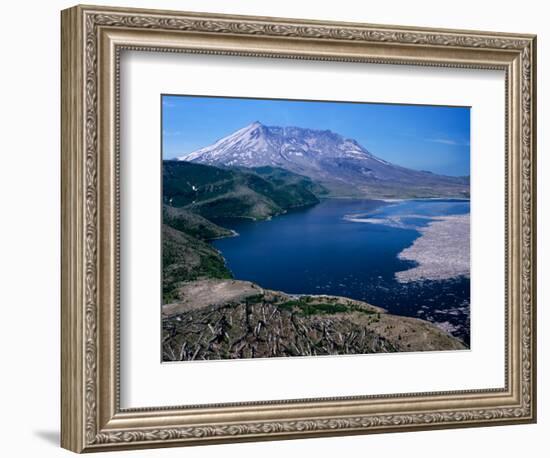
[324, 250]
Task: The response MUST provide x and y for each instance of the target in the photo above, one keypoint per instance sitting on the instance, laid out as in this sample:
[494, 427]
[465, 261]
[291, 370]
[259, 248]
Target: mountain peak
[250, 127]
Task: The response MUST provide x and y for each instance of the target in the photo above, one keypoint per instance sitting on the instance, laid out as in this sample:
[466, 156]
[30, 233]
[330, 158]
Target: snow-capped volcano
[257, 145]
[339, 163]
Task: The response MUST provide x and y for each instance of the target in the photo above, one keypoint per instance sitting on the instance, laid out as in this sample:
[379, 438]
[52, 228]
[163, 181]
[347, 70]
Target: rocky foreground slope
[227, 319]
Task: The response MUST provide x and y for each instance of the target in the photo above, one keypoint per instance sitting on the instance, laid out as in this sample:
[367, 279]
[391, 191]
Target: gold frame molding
[92, 39]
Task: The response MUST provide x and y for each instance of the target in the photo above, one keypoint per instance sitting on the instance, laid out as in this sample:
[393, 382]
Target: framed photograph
[277, 228]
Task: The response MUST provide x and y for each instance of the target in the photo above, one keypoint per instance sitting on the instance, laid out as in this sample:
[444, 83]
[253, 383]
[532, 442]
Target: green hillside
[217, 193]
[186, 258]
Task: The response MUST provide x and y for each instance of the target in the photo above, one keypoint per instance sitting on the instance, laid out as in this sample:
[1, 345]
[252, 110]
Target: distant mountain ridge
[340, 164]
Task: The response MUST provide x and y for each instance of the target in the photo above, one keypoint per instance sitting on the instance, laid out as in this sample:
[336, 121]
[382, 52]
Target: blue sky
[433, 138]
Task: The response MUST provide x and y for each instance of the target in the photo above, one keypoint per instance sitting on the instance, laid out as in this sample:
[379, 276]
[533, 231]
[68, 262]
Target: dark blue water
[330, 249]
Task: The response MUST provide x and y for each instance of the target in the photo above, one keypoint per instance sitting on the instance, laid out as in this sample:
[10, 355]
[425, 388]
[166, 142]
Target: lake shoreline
[441, 250]
[438, 258]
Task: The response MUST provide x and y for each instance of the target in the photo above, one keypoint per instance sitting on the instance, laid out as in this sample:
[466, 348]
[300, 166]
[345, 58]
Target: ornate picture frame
[92, 41]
